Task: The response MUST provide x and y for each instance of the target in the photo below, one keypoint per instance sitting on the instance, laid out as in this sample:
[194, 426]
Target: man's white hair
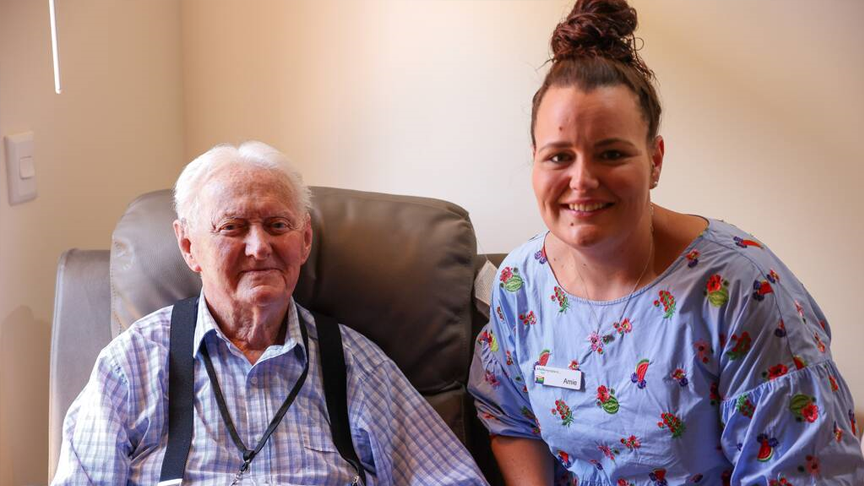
[251, 154]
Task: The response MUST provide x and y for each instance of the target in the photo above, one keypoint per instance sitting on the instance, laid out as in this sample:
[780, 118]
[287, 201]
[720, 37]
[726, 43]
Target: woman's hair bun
[598, 28]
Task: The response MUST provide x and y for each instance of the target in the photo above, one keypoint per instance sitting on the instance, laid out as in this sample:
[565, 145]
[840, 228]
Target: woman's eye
[612, 155]
[560, 158]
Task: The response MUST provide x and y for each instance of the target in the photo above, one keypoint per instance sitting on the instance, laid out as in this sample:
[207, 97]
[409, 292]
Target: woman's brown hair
[595, 46]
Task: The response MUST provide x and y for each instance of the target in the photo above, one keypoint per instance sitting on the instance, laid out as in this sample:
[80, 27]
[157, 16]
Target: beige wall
[764, 110]
[763, 119]
[116, 131]
[413, 97]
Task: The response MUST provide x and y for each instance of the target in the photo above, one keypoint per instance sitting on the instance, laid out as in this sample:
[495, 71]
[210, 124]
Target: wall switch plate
[20, 168]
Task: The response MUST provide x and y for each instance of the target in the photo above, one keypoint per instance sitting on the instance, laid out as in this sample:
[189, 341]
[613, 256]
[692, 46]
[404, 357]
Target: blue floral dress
[718, 372]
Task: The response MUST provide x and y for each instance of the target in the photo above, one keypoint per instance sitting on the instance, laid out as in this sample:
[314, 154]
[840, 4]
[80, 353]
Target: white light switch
[20, 167]
[25, 168]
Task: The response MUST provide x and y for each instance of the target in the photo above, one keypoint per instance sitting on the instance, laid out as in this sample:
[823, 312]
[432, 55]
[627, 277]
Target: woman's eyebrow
[556, 144]
[613, 141]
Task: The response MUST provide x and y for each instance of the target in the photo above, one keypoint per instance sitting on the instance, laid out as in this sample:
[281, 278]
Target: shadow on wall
[23, 397]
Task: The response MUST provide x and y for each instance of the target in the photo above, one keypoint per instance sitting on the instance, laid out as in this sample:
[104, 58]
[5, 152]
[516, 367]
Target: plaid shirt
[116, 430]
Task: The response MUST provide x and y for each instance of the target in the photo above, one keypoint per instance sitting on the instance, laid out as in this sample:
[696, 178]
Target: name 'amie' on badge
[558, 377]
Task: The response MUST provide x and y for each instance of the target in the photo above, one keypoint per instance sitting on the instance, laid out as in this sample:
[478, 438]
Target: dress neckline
[636, 293]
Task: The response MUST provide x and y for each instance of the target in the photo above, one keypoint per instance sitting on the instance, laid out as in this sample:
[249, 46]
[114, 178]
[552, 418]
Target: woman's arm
[523, 462]
[787, 411]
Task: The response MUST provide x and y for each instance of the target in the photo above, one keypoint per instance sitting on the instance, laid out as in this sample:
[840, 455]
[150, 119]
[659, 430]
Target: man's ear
[307, 238]
[181, 231]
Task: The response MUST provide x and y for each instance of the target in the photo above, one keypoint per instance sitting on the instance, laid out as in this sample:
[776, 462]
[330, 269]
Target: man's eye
[230, 228]
[281, 225]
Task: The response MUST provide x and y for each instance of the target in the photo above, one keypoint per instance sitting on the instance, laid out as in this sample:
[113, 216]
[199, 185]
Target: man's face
[247, 241]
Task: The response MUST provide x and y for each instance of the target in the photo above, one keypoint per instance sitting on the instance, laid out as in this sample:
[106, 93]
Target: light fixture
[54, 46]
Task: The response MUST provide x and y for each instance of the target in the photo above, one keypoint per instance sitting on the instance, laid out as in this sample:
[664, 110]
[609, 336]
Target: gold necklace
[630, 295]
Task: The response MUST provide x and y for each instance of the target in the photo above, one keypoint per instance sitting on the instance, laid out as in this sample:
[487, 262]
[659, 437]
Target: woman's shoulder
[728, 263]
[523, 270]
[532, 251]
[741, 255]
[735, 247]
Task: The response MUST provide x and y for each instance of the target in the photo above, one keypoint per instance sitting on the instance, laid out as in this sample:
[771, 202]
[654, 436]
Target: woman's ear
[657, 152]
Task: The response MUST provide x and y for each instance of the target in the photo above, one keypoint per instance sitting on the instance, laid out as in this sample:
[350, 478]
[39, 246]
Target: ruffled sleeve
[787, 413]
[495, 381]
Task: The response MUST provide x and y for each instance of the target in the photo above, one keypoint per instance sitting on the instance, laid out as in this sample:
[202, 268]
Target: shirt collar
[206, 324]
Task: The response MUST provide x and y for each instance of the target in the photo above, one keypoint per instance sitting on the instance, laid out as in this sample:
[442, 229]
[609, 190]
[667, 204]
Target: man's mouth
[259, 270]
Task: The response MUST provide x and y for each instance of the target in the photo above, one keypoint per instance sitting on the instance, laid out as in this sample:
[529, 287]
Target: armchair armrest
[80, 329]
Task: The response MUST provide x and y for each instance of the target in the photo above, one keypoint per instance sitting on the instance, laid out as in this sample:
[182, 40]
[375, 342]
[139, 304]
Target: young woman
[634, 345]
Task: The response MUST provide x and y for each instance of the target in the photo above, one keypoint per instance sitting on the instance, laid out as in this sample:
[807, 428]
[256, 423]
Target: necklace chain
[630, 295]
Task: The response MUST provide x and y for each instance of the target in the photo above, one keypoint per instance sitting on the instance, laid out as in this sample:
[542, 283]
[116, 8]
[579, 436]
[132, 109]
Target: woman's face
[593, 168]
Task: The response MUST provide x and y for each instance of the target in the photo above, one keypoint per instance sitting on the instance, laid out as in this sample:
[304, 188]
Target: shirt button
[253, 380]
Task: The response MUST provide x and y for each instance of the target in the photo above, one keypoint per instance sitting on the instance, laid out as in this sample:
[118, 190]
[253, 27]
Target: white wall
[763, 112]
[116, 131]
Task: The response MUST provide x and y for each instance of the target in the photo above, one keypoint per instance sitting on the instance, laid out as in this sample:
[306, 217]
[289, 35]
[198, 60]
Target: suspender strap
[336, 390]
[181, 388]
[181, 381]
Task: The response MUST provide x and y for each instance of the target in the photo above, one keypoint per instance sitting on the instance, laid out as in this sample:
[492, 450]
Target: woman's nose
[258, 243]
[582, 175]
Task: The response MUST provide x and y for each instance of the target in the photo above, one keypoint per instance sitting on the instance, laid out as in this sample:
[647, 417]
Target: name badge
[559, 377]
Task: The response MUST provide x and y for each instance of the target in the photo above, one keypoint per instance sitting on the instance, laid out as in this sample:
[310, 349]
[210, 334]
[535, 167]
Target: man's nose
[258, 243]
[582, 175]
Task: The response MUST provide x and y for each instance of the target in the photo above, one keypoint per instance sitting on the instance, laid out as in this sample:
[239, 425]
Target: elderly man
[243, 225]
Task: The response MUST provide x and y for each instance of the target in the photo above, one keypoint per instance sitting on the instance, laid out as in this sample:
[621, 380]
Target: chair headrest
[398, 269]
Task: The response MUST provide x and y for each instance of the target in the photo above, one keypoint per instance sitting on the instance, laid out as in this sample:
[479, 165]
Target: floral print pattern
[560, 297]
[606, 399]
[563, 412]
[804, 408]
[667, 301]
[671, 422]
[717, 290]
[740, 345]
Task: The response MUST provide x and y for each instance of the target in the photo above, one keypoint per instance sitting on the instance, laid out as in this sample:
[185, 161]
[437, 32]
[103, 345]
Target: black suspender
[336, 389]
[181, 369]
[181, 391]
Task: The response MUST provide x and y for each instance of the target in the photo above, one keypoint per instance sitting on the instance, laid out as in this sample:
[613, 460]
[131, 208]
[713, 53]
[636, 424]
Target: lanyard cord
[249, 454]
